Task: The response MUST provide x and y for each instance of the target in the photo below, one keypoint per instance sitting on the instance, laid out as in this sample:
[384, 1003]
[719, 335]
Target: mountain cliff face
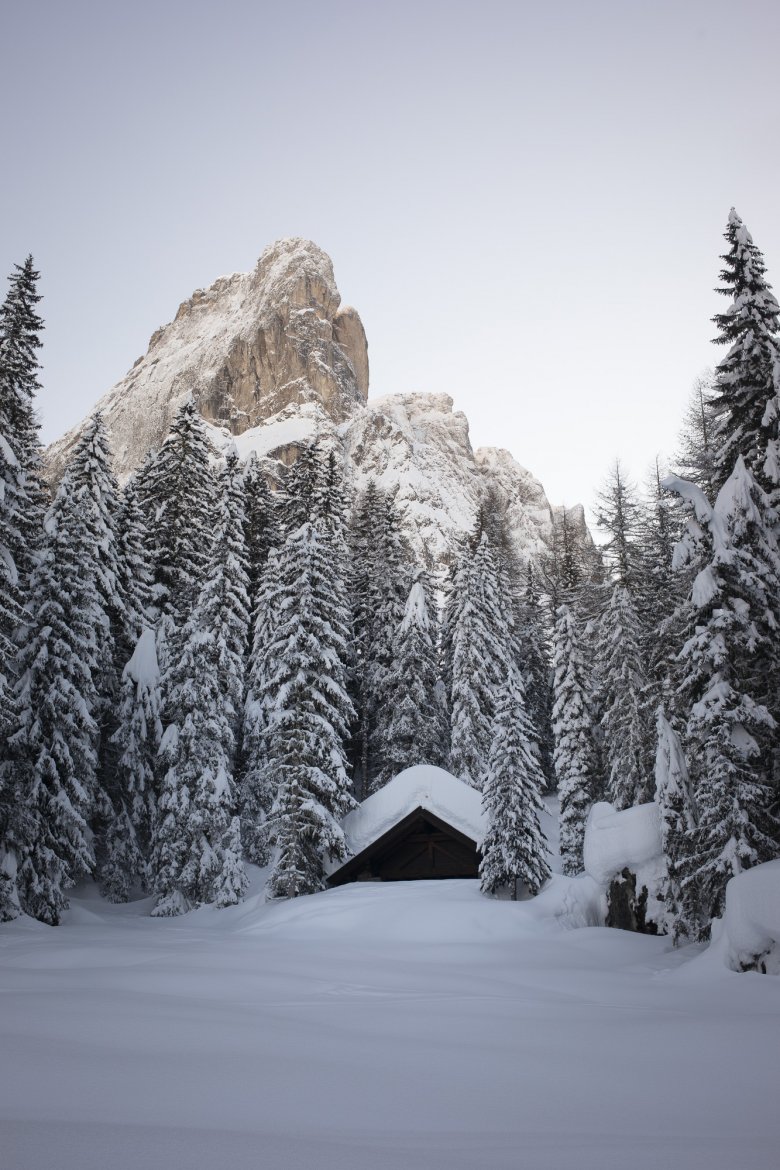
[273, 360]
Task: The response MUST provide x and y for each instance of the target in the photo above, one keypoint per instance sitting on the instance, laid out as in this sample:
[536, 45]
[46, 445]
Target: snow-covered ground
[414, 1026]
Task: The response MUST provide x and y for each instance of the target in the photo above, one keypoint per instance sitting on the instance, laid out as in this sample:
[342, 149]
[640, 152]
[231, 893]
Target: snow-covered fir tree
[416, 733]
[93, 481]
[261, 531]
[22, 494]
[480, 658]
[536, 670]
[331, 502]
[730, 682]
[135, 565]
[624, 700]
[178, 495]
[50, 771]
[137, 740]
[514, 848]
[379, 583]
[573, 729]
[20, 329]
[196, 855]
[302, 488]
[748, 378]
[656, 591]
[257, 780]
[678, 827]
[306, 713]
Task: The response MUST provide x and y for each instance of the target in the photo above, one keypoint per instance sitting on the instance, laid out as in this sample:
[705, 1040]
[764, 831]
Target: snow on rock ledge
[748, 935]
[423, 786]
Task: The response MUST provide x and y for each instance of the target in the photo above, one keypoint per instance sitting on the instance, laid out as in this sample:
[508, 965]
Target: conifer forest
[202, 668]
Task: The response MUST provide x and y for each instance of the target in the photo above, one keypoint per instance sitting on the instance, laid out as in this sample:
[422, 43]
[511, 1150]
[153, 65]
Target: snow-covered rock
[627, 840]
[246, 347]
[748, 935]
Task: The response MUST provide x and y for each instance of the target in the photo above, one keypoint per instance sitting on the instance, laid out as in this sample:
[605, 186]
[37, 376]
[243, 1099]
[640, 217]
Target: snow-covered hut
[425, 823]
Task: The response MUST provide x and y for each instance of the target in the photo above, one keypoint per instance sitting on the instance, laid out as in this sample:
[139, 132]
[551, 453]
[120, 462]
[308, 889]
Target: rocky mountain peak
[246, 347]
[274, 361]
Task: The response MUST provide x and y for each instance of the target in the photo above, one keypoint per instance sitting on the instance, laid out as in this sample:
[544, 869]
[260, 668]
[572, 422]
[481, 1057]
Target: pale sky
[525, 202]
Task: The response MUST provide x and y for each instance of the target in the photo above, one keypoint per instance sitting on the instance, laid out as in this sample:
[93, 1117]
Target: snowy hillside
[415, 1025]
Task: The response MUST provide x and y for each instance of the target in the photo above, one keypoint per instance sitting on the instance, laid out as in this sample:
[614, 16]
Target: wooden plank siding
[421, 845]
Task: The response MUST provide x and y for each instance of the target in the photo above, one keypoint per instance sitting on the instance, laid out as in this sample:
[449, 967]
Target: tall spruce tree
[480, 661]
[573, 730]
[624, 700]
[261, 532]
[22, 496]
[136, 584]
[305, 713]
[50, 771]
[178, 493]
[416, 733]
[748, 377]
[302, 488]
[514, 849]
[196, 856]
[379, 584]
[137, 740]
[20, 329]
[536, 670]
[678, 826]
[730, 682]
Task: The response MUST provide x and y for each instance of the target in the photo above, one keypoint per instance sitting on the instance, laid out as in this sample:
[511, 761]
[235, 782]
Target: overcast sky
[524, 201]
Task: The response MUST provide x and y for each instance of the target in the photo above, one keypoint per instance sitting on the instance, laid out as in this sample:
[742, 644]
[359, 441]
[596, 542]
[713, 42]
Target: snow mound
[425, 787]
[614, 841]
[748, 935]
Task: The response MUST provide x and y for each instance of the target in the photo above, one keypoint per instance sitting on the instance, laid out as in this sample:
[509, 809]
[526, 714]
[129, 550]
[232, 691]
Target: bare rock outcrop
[248, 346]
[273, 361]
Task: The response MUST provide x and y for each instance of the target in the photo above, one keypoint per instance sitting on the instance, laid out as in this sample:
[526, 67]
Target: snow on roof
[423, 786]
[614, 841]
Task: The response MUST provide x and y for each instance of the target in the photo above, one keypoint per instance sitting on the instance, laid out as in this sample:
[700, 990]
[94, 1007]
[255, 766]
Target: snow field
[415, 1025]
